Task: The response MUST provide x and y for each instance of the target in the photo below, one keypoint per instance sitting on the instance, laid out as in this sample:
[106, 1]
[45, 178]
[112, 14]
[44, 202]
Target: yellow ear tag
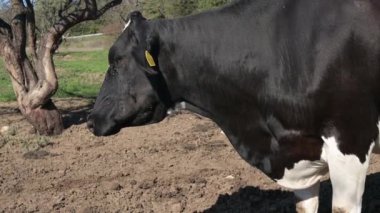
[149, 59]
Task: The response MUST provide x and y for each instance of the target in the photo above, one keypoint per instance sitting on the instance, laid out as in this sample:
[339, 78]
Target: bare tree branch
[48, 83]
[18, 25]
[32, 40]
[89, 12]
[12, 64]
[35, 81]
[19, 29]
[5, 37]
[31, 30]
[5, 28]
[65, 7]
[107, 7]
[91, 6]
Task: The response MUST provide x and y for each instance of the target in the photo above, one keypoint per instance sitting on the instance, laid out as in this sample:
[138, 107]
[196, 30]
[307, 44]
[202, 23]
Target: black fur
[285, 70]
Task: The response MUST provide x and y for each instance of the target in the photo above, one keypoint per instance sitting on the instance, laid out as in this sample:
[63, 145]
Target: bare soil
[183, 164]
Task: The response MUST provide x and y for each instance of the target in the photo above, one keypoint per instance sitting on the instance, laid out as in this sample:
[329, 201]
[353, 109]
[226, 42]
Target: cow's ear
[136, 17]
[151, 54]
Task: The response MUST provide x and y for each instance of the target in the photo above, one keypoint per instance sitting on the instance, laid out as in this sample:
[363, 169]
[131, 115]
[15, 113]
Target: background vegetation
[82, 62]
[80, 74]
[176, 8]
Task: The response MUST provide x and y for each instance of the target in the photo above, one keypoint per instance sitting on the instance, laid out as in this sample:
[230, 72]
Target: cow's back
[290, 51]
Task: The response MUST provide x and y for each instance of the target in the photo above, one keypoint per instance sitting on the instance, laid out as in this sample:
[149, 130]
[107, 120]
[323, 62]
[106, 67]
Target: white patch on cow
[347, 176]
[170, 111]
[127, 24]
[376, 149]
[266, 165]
[307, 199]
[182, 105]
[178, 107]
[304, 174]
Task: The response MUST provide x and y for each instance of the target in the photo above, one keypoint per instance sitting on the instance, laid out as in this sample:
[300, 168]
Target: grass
[80, 65]
[29, 143]
[80, 74]
[88, 43]
[6, 89]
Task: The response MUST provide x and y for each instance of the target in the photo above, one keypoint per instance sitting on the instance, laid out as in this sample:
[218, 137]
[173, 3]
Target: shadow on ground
[76, 116]
[253, 199]
[70, 115]
[8, 110]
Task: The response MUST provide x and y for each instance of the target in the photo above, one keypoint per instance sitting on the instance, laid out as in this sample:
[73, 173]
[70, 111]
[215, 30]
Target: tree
[177, 8]
[154, 9]
[5, 10]
[46, 13]
[113, 22]
[33, 74]
[208, 4]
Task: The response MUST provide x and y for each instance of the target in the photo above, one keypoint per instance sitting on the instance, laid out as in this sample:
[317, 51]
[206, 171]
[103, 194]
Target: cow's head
[132, 92]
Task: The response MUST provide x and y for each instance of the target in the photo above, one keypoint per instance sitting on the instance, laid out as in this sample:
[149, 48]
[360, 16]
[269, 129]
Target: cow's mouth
[111, 129]
[141, 118]
[152, 114]
[149, 115]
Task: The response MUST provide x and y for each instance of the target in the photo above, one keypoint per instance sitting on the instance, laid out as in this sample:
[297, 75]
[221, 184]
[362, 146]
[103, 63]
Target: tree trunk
[34, 80]
[45, 119]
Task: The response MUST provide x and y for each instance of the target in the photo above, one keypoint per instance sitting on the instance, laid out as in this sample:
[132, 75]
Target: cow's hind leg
[347, 174]
[307, 199]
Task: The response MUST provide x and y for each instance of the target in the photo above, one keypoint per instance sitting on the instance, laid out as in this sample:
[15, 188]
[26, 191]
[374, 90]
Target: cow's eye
[117, 60]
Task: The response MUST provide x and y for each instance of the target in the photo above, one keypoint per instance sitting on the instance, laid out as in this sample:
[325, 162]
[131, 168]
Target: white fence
[83, 36]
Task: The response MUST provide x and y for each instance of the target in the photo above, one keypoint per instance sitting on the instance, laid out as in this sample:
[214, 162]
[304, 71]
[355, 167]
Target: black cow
[294, 84]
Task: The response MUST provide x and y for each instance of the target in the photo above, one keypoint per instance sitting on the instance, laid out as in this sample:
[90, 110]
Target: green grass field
[80, 74]
[6, 90]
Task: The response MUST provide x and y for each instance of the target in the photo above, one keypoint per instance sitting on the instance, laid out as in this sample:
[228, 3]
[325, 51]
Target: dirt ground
[183, 164]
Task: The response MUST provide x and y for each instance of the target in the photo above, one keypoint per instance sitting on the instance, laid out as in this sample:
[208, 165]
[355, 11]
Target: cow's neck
[193, 58]
[220, 66]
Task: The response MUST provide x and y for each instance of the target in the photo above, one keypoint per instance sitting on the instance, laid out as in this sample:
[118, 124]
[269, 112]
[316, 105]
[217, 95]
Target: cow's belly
[303, 175]
[294, 163]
